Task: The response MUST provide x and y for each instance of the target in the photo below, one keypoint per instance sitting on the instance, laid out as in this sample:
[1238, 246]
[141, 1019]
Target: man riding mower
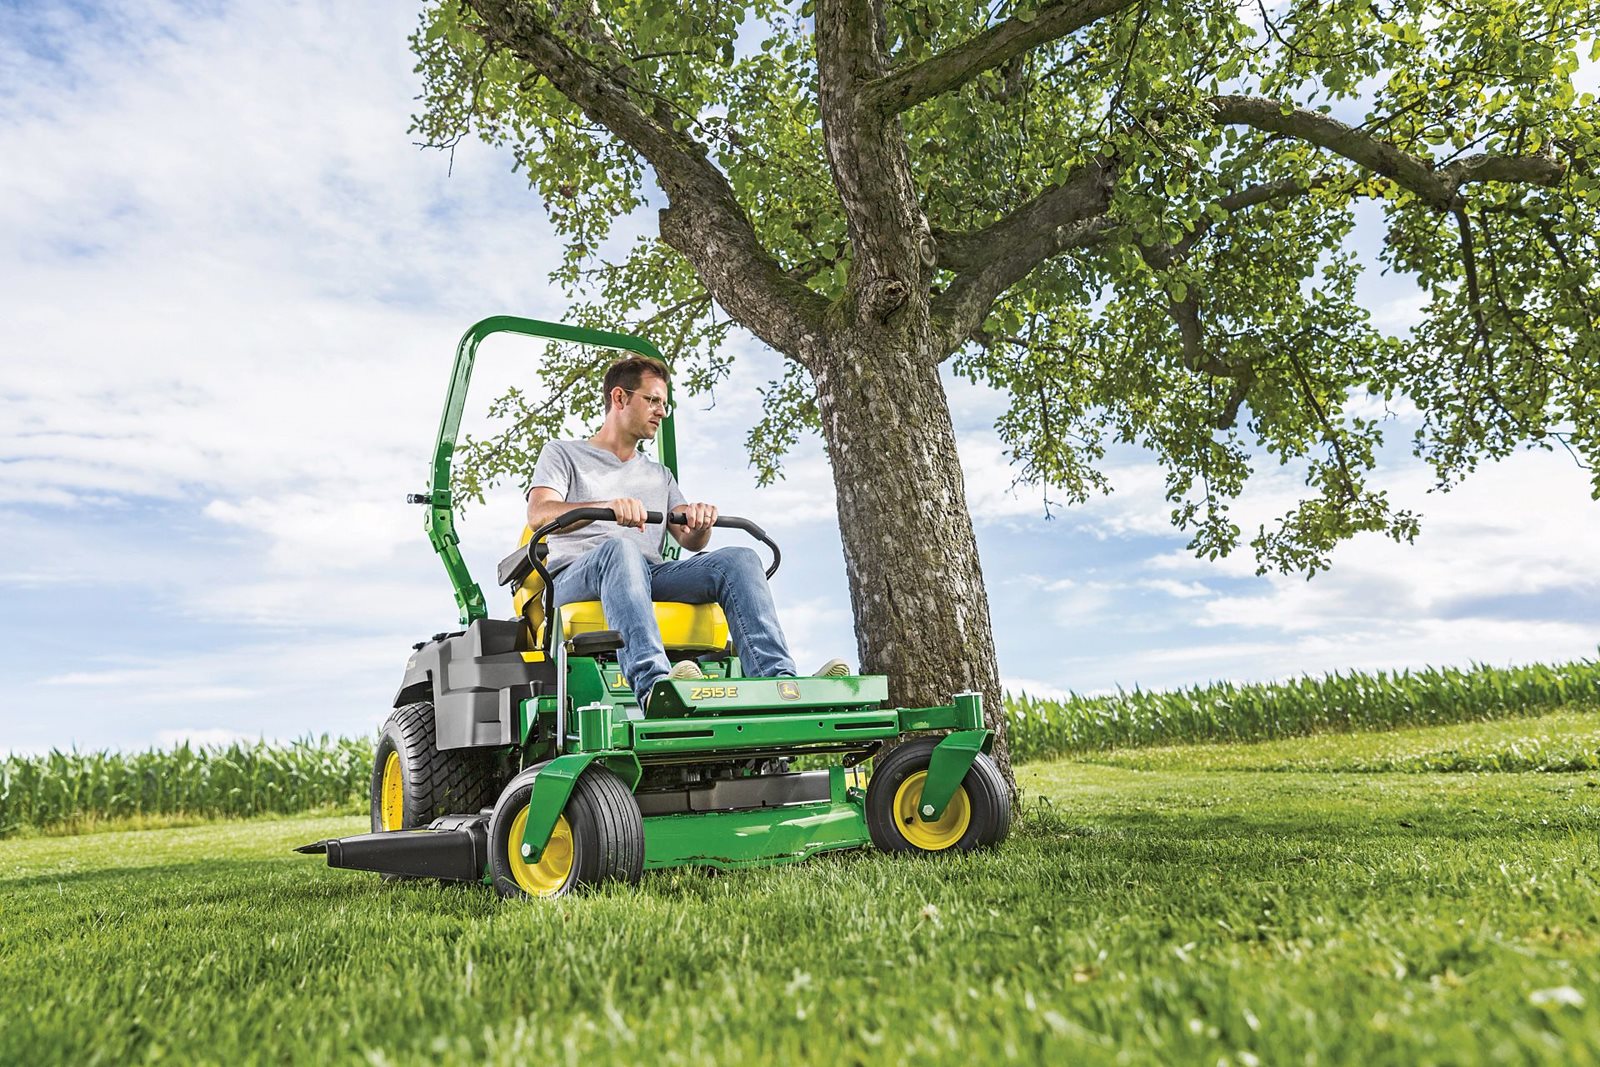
[612, 725]
[620, 564]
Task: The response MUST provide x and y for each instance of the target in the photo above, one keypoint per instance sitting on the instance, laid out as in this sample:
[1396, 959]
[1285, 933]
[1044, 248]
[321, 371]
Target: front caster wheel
[598, 837]
[978, 815]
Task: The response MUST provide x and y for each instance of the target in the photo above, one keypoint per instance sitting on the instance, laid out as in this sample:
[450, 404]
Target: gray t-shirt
[582, 472]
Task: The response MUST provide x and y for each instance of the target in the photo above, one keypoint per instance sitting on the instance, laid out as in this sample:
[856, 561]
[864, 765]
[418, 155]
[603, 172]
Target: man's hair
[628, 373]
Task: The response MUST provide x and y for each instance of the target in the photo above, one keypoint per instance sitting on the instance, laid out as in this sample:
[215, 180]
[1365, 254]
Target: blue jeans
[617, 574]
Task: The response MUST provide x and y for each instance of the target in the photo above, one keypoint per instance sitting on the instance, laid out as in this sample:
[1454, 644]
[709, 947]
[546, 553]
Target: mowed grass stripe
[71, 791]
[1562, 742]
[1165, 916]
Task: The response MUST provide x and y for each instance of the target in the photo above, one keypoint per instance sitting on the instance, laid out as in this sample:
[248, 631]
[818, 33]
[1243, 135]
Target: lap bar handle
[515, 567]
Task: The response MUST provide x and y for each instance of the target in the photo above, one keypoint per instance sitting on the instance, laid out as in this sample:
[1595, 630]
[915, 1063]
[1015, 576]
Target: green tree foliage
[1138, 218]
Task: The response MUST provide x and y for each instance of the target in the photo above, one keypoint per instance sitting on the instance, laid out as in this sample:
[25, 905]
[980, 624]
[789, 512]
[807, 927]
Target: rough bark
[892, 249]
[916, 586]
[999, 43]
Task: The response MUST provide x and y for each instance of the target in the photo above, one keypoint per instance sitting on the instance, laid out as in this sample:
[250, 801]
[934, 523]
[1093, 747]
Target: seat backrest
[527, 599]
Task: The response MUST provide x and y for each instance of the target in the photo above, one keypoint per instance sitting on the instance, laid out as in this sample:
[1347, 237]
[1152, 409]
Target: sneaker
[685, 670]
[834, 668]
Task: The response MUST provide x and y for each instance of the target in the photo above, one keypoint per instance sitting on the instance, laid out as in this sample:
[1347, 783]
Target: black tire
[603, 826]
[983, 790]
[433, 783]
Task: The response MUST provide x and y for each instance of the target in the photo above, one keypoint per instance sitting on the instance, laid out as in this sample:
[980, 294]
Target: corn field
[67, 788]
[64, 788]
[1333, 703]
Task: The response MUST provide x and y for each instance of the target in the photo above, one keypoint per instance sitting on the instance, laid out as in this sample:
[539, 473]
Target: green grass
[1563, 741]
[1180, 913]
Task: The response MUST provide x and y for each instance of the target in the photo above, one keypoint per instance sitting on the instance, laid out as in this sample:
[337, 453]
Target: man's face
[642, 409]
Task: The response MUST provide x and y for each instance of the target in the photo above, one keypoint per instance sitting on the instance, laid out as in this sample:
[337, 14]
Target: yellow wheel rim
[392, 795]
[549, 876]
[940, 833]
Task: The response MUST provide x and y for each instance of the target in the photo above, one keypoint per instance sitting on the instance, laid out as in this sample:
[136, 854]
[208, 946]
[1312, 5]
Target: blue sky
[230, 289]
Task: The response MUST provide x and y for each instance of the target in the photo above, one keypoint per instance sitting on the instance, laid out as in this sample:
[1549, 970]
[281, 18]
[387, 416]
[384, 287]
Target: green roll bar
[440, 523]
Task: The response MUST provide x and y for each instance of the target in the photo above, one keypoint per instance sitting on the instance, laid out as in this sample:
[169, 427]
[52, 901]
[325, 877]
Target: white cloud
[307, 532]
[1399, 314]
[1067, 602]
[1033, 687]
[201, 737]
[1499, 575]
[1517, 528]
[1181, 590]
[189, 683]
[264, 308]
[1380, 643]
[817, 629]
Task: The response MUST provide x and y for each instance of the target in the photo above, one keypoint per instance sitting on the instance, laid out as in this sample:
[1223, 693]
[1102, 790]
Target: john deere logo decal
[788, 691]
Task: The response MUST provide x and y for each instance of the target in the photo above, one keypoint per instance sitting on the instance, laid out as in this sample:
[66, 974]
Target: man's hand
[630, 512]
[695, 534]
[701, 516]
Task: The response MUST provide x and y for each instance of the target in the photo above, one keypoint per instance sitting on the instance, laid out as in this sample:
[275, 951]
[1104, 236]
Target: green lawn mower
[517, 755]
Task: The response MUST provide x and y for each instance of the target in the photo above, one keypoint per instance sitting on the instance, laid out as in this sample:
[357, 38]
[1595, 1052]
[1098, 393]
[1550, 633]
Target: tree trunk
[916, 586]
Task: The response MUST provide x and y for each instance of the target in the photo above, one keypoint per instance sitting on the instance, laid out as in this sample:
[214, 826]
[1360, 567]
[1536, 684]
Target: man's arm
[545, 504]
[697, 534]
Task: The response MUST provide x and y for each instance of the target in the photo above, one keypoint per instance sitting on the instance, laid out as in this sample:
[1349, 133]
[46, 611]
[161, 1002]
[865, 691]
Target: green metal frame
[759, 838]
[726, 839]
[948, 765]
[552, 788]
[821, 714]
[440, 522]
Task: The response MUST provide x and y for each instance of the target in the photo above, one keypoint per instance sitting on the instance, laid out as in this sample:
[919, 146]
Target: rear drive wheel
[978, 815]
[414, 783]
[599, 836]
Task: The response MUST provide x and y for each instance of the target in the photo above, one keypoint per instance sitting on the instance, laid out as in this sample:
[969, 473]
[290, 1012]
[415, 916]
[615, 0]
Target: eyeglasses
[658, 403]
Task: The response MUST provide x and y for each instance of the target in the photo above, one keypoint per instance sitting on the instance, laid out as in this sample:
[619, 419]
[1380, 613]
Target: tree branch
[1469, 266]
[695, 302]
[1084, 193]
[956, 66]
[1439, 186]
[990, 261]
[1487, 167]
[870, 163]
[1186, 312]
[1335, 443]
[1127, 65]
[703, 219]
[1066, 216]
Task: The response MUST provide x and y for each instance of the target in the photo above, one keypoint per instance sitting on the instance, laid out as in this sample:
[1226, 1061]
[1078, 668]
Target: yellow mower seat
[700, 627]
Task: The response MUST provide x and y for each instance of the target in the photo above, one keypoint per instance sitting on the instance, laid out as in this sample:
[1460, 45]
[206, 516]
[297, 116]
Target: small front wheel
[978, 815]
[598, 837]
